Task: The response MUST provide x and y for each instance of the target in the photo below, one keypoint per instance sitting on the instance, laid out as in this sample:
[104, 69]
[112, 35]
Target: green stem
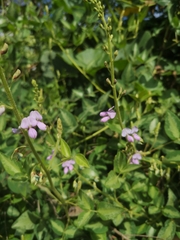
[80, 70]
[91, 136]
[18, 117]
[113, 81]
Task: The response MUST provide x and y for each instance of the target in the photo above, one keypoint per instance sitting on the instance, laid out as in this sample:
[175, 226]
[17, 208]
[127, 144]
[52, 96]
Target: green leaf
[81, 160]
[85, 202]
[107, 211]
[168, 231]
[12, 212]
[172, 125]
[119, 162]
[70, 231]
[57, 227]
[171, 212]
[139, 186]
[91, 59]
[65, 149]
[128, 73]
[114, 127]
[130, 168]
[19, 187]
[83, 219]
[103, 101]
[172, 156]
[112, 181]
[68, 121]
[171, 198]
[153, 210]
[23, 223]
[90, 173]
[11, 167]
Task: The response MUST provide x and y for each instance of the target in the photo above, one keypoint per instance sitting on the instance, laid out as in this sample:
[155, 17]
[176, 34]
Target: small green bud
[34, 83]
[59, 128]
[108, 81]
[16, 74]
[2, 109]
[116, 53]
[4, 49]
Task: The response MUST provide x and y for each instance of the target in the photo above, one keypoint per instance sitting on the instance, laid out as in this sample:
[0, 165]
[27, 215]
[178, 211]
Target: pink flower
[131, 134]
[135, 158]
[50, 156]
[30, 122]
[68, 166]
[110, 114]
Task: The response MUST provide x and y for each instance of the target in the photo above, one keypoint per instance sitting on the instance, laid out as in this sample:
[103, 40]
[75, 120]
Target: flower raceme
[131, 134]
[109, 114]
[30, 122]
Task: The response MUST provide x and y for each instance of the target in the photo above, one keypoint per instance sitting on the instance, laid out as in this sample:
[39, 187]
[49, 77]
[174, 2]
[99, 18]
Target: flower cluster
[135, 158]
[110, 114]
[131, 134]
[68, 166]
[34, 119]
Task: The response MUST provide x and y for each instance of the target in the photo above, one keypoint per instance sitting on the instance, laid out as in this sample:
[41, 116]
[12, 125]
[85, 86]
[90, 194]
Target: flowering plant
[94, 148]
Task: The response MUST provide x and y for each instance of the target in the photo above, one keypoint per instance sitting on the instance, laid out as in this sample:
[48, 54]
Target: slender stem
[18, 117]
[80, 69]
[91, 136]
[113, 81]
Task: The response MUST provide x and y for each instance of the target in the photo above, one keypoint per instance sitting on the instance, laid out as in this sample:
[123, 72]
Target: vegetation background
[61, 45]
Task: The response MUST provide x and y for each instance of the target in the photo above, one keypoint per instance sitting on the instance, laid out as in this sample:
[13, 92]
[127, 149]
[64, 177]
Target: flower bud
[4, 49]
[16, 74]
[2, 109]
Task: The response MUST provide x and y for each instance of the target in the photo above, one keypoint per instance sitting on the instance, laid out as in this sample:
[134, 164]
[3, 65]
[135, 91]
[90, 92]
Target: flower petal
[25, 123]
[135, 130]
[111, 114]
[136, 137]
[103, 114]
[105, 119]
[36, 115]
[32, 133]
[125, 132]
[130, 138]
[71, 167]
[137, 156]
[66, 169]
[41, 126]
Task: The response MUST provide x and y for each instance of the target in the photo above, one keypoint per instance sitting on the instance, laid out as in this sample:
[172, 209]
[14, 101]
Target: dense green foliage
[84, 59]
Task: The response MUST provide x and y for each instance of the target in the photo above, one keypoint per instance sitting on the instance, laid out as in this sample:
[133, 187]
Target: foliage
[71, 61]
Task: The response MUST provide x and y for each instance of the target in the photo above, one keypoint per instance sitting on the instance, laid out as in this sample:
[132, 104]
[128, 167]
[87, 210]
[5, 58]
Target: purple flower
[37, 116]
[68, 166]
[30, 122]
[2, 109]
[110, 114]
[131, 134]
[50, 156]
[32, 133]
[135, 158]
[15, 130]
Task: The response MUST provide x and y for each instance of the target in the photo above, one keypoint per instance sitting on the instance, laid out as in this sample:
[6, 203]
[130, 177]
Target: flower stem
[91, 136]
[113, 81]
[18, 117]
